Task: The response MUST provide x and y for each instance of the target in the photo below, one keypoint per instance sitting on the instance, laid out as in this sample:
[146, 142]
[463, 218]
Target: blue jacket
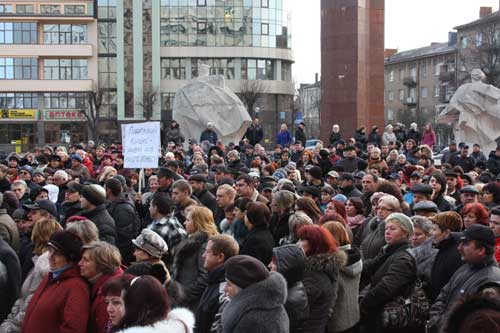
[284, 138]
[210, 136]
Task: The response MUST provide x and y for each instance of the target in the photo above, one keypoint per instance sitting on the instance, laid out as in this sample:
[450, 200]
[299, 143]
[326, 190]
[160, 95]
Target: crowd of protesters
[239, 239]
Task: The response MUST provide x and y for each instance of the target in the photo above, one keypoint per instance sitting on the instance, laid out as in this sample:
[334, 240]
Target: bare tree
[250, 92]
[150, 97]
[483, 53]
[92, 113]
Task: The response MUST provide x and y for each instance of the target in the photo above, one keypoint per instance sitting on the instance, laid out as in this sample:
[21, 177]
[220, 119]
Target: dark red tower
[352, 65]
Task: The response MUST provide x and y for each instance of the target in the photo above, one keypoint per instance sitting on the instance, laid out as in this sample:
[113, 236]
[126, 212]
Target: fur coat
[179, 320]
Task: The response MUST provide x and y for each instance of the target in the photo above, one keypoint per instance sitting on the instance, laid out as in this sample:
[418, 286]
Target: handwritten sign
[141, 145]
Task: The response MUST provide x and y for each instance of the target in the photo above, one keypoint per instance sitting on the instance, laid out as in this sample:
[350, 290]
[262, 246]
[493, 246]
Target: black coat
[493, 163]
[10, 279]
[254, 134]
[68, 209]
[278, 226]
[321, 282]
[188, 269]
[392, 273]
[360, 137]
[300, 135]
[207, 199]
[4, 185]
[209, 302]
[104, 223]
[443, 204]
[447, 261]
[259, 244]
[127, 226]
[290, 262]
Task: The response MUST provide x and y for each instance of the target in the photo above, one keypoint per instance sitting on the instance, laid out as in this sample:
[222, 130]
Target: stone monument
[207, 99]
[474, 112]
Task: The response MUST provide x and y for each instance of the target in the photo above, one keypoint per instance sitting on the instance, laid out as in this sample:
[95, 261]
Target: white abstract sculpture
[207, 99]
[474, 110]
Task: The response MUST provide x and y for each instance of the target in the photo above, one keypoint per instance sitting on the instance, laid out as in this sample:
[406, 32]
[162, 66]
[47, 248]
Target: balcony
[46, 50]
[410, 101]
[446, 76]
[410, 81]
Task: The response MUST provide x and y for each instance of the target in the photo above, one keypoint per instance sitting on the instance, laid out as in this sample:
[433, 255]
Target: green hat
[403, 220]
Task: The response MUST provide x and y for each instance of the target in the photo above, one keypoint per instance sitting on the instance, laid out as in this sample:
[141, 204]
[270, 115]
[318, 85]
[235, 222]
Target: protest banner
[141, 145]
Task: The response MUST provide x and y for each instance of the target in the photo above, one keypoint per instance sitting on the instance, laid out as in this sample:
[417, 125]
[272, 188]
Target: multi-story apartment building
[419, 83]
[48, 65]
[310, 101]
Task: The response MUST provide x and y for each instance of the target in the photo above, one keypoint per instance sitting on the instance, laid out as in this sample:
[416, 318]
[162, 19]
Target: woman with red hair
[475, 213]
[323, 262]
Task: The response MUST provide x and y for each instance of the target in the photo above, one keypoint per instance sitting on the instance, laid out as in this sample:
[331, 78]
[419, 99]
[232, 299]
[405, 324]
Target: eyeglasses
[385, 209]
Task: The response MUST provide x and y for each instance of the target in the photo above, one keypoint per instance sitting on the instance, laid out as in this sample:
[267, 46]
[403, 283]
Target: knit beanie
[403, 220]
[243, 270]
[316, 172]
[95, 194]
[449, 220]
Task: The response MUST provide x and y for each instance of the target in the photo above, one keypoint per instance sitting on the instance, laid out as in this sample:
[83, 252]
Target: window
[65, 69]
[107, 72]
[257, 69]
[401, 95]
[201, 28]
[107, 37]
[65, 34]
[413, 72]
[391, 76]
[391, 95]
[218, 66]
[437, 69]
[65, 100]
[173, 69]
[50, 9]
[436, 90]
[18, 69]
[286, 71]
[412, 93]
[423, 69]
[264, 3]
[6, 9]
[464, 42]
[401, 74]
[25, 9]
[106, 9]
[265, 29]
[479, 39]
[18, 33]
[424, 92]
[202, 3]
[19, 100]
[74, 9]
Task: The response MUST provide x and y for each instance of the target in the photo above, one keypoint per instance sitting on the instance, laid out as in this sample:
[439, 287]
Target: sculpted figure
[207, 99]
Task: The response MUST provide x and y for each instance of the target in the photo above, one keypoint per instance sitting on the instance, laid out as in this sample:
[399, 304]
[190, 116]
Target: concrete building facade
[310, 101]
[48, 64]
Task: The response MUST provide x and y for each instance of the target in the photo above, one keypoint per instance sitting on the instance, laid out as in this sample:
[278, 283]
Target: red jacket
[88, 163]
[497, 250]
[59, 305]
[98, 314]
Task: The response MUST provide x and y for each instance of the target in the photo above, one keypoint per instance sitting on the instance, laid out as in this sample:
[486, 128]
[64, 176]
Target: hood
[290, 260]
[268, 294]
[328, 263]
[354, 264]
[176, 319]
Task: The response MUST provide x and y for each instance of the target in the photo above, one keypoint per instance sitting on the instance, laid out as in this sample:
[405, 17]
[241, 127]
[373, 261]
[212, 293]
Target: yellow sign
[18, 113]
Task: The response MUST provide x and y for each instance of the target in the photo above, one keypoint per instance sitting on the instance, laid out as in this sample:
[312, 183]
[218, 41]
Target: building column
[138, 54]
[156, 62]
[120, 62]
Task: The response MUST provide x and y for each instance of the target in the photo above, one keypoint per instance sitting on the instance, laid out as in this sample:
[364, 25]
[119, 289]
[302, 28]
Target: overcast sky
[409, 24]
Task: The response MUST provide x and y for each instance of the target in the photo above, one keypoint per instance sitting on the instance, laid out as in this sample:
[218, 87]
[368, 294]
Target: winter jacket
[98, 314]
[284, 138]
[80, 171]
[346, 310]
[349, 164]
[321, 280]
[207, 199]
[429, 138]
[351, 192]
[258, 308]
[104, 223]
[443, 204]
[8, 230]
[210, 300]
[392, 273]
[68, 209]
[497, 249]
[374, 239]
[10, 278]
[478, 157]
[447, 156]
[414, 135]
[254, 134]
[174, 135]
[4, 185]
[493, 163]
[178, 320]
[466, 163]
[278, 226]
[290, 262]
[381, 164]
[334, 138]
[466, 281]
[374, 137]
[210, 136]
[360, 137]
[425, 254]
[448, 260]
[59, 304]
[259, 244]
[388, 137]
[188, 268]
[127, 226]
[300, 135]
[15, 319]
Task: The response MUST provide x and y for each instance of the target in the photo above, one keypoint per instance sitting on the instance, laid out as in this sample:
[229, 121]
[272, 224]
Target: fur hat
[151, 243]
[95, 194]
[243, 270]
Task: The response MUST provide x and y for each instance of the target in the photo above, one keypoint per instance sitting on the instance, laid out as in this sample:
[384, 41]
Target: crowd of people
[359, 234]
